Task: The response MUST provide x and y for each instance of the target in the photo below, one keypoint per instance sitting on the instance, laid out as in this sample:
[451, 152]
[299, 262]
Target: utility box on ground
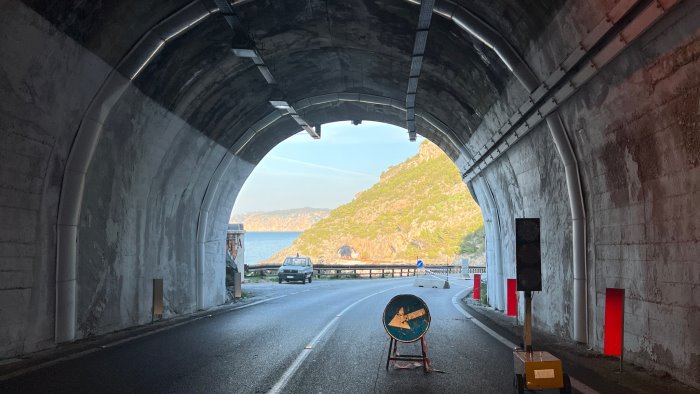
[539, 371]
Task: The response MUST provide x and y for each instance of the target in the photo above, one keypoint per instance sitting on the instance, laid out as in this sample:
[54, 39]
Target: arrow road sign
[401, 319]
[406, 318]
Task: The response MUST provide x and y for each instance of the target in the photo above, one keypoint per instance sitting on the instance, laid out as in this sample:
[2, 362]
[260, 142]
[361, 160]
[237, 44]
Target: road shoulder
[588, 366]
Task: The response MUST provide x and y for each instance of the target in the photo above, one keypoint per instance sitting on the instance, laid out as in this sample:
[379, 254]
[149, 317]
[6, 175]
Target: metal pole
[622, 334]
[527, 340]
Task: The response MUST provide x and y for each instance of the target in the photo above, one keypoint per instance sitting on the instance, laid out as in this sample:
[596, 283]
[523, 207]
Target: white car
[296, 268]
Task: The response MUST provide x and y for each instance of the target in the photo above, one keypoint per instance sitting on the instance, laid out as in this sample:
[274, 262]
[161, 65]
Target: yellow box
[540, 370]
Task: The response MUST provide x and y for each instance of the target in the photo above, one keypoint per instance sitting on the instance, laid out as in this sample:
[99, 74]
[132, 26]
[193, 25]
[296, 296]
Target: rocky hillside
[419, 209]
[289, 220]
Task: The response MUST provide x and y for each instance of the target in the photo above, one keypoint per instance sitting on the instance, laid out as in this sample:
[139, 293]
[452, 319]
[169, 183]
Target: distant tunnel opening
[393, 201]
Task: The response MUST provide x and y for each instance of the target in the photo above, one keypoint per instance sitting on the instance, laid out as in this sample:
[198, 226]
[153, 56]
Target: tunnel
[128, 128]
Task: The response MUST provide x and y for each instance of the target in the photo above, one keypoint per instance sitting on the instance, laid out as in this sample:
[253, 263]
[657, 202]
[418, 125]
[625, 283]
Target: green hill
[419, 209]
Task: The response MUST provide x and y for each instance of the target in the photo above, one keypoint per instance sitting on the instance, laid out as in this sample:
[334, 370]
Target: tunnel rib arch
[123, 147]
[480, 30]
[137, 59]
[81, 153]
[83, 149]
[631, 29]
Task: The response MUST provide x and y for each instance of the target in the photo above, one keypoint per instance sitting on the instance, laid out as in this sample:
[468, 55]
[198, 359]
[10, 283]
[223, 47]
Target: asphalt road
[323, 337]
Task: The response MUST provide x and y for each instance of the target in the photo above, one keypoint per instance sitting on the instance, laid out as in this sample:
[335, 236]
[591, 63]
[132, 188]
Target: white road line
[121, 341]
[289, 373]
[578, 385]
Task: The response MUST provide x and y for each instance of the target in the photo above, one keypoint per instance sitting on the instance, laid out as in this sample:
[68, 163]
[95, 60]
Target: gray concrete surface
[169, 159]
[247, 350]
[248, 346]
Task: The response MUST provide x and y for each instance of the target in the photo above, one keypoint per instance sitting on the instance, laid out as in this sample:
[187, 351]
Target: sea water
[260, 246]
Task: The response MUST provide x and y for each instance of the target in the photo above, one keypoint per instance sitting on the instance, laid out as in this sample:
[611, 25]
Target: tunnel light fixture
[311, 132]
[244, 52]
[278, 99]
[243, 46]
[280, 104]
[419, 45]
[266, 74]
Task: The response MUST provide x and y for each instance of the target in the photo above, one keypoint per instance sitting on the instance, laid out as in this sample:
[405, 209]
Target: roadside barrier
[357, 271]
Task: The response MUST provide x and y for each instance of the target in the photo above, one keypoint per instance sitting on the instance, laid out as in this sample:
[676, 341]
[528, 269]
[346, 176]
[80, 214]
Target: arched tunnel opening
[379, 198]
[128, 128]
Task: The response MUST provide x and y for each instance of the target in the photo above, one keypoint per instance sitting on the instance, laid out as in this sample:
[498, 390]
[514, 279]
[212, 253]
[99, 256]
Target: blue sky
[303, 172]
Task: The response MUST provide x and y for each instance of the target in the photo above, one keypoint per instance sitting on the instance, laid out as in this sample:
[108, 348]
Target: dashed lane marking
[289, 373]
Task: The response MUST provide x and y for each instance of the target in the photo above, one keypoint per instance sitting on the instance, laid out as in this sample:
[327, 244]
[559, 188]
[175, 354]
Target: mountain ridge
[286, 220]
[420, 208]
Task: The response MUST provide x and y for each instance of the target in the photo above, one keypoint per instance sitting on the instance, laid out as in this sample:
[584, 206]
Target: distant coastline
[291, 220]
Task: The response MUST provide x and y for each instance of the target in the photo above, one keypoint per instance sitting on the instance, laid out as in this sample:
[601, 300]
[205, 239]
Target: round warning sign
[406, 318]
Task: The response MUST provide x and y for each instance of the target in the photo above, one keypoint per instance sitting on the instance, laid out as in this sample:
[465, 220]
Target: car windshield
[295, 261]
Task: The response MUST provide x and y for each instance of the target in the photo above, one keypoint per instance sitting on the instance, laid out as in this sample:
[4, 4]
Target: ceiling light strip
[244, 46]
[424, 16]
[154, 40]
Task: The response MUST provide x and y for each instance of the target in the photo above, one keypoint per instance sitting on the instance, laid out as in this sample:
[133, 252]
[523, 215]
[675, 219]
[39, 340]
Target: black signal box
[528, 260]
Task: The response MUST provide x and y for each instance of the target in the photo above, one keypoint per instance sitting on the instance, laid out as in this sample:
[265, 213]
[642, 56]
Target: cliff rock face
[288, 220]
[419, 209]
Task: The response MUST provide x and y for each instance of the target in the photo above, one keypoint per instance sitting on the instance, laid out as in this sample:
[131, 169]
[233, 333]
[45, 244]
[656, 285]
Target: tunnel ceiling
[312, 48]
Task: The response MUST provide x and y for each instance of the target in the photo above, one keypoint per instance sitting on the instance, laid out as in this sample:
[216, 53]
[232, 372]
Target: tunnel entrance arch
[363, 107]
[334, 113]
[580, 46]
[339, 165]
[138, 60]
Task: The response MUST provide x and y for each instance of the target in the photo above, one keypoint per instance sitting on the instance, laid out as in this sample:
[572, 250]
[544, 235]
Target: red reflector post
[512, 298]
[477, 286]
[614, 321]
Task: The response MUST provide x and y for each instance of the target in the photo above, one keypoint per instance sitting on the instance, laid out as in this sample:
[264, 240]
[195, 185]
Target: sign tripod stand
[406, 319]
[394, 356]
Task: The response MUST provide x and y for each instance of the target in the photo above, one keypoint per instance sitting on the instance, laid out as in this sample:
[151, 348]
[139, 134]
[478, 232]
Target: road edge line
[91, 350]
[575, 383]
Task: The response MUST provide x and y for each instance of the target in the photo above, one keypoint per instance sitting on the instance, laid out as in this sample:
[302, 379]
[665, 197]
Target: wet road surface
[322, 337]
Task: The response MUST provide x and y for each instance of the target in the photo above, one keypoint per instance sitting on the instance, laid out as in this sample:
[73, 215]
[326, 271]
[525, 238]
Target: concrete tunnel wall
[141, 207]
[156, 159]
[141, 213]
[639, 165]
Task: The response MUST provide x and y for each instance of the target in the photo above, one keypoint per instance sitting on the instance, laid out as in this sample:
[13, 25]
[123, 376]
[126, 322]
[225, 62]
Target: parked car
[295, 268]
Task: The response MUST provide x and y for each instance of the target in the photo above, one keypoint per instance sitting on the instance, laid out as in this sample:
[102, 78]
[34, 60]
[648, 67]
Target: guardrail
[362, 271]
